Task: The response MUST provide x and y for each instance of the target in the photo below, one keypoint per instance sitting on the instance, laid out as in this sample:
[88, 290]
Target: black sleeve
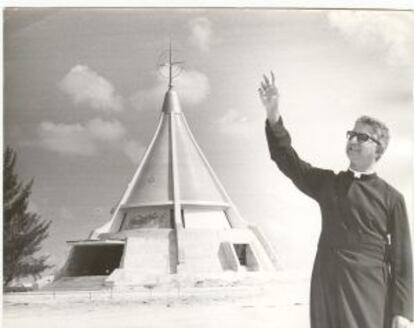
[307, 178]
[401, 262]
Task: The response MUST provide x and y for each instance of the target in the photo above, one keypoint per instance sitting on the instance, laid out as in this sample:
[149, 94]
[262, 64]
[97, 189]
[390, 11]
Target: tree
[23, 230]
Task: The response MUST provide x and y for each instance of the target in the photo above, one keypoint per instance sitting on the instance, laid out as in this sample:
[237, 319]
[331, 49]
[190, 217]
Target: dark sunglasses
[361, 137]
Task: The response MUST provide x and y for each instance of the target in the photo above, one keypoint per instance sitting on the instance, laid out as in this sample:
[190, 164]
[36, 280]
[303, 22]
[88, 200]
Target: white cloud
[235, 124]
[389, 32]
[78, 139]
[66, 138]
[201, 33]
[87, 87]
[192, 88]
[133, 150]
[105, 130]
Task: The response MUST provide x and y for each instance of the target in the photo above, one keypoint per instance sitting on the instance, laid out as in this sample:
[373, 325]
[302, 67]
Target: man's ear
[378, 153]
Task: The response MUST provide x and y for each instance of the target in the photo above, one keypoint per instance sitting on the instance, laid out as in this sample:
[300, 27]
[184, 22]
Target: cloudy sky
[82, 98]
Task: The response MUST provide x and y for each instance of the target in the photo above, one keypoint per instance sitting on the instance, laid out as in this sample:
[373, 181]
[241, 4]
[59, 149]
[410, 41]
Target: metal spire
[170, 66]
[174, 67]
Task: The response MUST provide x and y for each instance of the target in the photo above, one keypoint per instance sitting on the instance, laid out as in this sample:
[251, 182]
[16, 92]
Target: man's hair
[382, 134]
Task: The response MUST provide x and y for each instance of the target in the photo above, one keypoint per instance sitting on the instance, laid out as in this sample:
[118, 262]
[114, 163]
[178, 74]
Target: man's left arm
[401, 265]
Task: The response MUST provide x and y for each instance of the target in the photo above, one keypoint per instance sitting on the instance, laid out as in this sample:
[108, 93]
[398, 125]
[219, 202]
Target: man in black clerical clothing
[362, 274]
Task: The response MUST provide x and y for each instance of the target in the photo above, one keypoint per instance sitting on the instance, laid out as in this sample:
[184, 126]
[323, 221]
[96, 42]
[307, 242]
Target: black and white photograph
[207, 167]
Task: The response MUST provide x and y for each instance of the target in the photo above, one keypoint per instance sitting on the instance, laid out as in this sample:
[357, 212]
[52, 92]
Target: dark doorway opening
[246, 257]
[241, 253]
[94, 260]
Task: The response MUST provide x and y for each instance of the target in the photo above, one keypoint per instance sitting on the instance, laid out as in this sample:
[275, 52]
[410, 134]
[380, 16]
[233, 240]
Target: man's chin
[352, 156]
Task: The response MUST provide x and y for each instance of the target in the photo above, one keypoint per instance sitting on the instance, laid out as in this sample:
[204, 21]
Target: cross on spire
[171, 64]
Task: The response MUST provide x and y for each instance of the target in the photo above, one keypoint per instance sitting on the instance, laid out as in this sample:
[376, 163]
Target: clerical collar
[359, 175]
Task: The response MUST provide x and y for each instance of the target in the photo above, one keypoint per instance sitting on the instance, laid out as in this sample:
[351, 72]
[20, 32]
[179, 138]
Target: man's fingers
[273, 77]
[268, 90]
[266, 80]
[262, 96]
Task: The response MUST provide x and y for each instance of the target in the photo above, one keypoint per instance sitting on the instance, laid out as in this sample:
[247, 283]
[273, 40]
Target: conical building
[174, 219]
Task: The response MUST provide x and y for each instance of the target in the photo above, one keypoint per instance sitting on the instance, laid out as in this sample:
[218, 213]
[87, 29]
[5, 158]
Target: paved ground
[277, 305]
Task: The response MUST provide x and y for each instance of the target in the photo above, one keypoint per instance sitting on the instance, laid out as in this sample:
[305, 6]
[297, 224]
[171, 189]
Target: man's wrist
[273, 119]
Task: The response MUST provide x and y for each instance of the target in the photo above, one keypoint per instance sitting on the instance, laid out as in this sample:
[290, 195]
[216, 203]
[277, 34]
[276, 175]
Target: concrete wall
[150, 251]
[228, 257]
[201, 251]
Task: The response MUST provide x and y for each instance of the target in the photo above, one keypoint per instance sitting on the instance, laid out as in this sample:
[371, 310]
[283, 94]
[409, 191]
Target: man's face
[362, 154]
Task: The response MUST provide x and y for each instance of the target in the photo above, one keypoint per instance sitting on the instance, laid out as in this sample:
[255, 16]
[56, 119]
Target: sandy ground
[280, 303]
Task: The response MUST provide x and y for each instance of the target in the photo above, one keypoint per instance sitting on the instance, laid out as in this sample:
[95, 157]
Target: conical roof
[174, 168]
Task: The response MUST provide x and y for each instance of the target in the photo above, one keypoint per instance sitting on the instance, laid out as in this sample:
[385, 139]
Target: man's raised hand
[269, 96]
